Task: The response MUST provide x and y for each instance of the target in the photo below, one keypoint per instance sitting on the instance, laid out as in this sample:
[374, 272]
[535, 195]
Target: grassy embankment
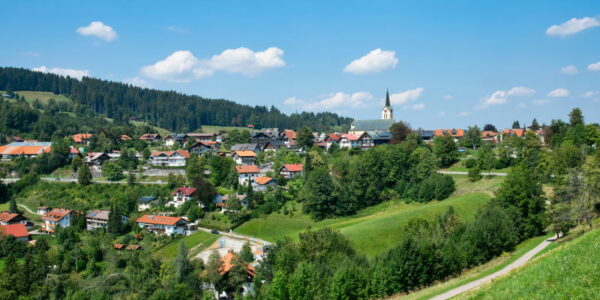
[569, 271]
[196, 242]
[376, 229]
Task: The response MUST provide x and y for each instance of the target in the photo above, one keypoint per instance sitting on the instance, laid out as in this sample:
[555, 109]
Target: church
[387, 119]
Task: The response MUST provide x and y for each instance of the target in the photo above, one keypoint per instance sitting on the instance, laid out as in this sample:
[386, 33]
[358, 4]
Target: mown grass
[570, 271]
[197, 241]
[376, 229]
[43, 97]
[217, 129]
[460, 167]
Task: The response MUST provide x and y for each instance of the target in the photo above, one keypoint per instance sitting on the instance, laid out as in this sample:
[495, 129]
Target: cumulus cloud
[137, 81]
[406, 96]
[594, 67]
[590, 94]
[375, 61]
[183, 66]
[331, 101]
[569, 70]
[64, 72]
[559, 93]
[99, 30]
[572, 26]
[501, 96]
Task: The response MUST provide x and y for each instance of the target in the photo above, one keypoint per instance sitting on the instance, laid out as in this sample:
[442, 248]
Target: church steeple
[388, 112]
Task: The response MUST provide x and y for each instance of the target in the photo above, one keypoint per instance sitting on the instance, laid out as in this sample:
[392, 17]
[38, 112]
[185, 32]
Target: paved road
[477, 283]
[100, 181]
[237, 236]
[467, 173]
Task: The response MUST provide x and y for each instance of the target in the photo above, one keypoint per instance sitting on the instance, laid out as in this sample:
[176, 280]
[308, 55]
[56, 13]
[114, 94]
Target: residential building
[96, 159]
[426, 135]
[58, 217]
[246, 174]
[169, 158]
[261, 184]
[19, 231]
[8, 218]
[455, 133]
[150, 137]
[272, 145]
[146, 202]
[244, 157]
[98, 219]
[291, 170]
[332, 139]
[489, 136]
[245, 147]
[379, 137]
[202, 136]
[203, 147]
[81, 138]
[181, 196]
[163, 224]
[25, 149]
[288, 137]
[42, 210]
[124, 137]
[221, 202]
[175, 138]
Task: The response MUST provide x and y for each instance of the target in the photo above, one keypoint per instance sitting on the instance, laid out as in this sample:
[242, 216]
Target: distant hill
[165, 109]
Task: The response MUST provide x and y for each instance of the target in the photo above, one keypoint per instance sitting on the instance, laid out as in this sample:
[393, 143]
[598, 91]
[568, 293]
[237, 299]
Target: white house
[262, 183]
[58, 217]
[247, 173]
[244, 157]
[181, 196]
[8, 218]
[290, 170]
[163, 224]
[146, 202]
[98, 219]
[169, 158]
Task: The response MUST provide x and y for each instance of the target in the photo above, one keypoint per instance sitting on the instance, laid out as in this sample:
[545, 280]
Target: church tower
[388, 112]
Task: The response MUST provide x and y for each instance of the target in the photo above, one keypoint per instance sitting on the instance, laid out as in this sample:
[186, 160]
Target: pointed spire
[387, 98]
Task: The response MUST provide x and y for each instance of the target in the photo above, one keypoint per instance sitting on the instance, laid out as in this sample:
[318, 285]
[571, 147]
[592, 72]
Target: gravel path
[467, 173]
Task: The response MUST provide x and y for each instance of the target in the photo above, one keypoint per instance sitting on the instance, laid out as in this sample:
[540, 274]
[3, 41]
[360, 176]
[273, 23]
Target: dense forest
[167, 109]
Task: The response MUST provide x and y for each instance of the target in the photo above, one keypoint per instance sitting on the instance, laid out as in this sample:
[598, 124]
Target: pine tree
[12, 206]
[84, 177]
[516, 125]
[183, 267]
[114, 224]
[535, 125]
[246, 253]
[131, 178]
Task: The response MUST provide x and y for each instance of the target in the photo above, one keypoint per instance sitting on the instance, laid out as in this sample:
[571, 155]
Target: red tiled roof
[183, 153]
[188, 191]
[262, 180]
[247, 169]
[228, 263]
[333, 137]
[290, 134]
[6, 216]
[486, 134]
[452, 132]
[159, 220]
[74, 151]
[118, 246]
[81, 137]
[293, 167]
[56, 214]
[352, 137]
[24, 150]
[16, 230]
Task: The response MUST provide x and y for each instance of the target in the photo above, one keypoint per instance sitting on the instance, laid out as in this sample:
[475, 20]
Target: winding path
[28, 209]
[467, 173]
[479, 282]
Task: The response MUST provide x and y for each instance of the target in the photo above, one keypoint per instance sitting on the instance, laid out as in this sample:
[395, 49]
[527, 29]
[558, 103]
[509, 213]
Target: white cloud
[99, 30]
[594, 67]
[569, 70]
[292, 101]
[31, 53]
[441, 114]
[501, 96]
[540, 101]
[448, 97]
[572, 26]
[520, 91]
[375, 61]
[137, 81]
[332, 101]
[64, 72]
[559, 93]
[463, 114]
[406, 96]
[183, 66]
[590, 94]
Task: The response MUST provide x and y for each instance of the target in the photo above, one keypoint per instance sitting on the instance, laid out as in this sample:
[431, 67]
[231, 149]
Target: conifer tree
[84, 176]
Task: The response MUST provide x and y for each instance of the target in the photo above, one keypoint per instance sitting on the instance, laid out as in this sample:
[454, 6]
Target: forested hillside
[166, 109]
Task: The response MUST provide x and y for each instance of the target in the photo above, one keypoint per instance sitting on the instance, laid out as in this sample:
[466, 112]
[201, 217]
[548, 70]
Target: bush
[474, 174]
[436, 186]
[470, 163]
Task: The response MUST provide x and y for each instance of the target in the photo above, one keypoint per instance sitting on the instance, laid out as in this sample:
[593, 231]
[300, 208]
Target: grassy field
[375, 229]
[570, 271]
[43, 97]
[196, 242]
[217, 129]
[460, 167]
[163, 132]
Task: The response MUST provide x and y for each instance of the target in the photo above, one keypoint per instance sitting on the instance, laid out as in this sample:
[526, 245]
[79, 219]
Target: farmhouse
[288, 137]
[261, 184]
[150, 137]
[174, 138]
[245, 147]
[163, 224]
[98, 219]
[19, 231]
[202, 136]
[202, 147]
[246, 174]
[181, 196]
[169, 158]
[290, 170]
[244, 157]
[58, 217]
[8, 218]
[96, 158]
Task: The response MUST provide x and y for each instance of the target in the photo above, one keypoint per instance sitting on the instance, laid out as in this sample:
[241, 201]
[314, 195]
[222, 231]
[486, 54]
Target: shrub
[470, 163]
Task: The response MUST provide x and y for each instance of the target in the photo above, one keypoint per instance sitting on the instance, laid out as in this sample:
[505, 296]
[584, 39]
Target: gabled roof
[56, 214]
[183, 153]
[98, 214]
[245, 153]
[186, 190]
[201, 134]
[124, 137]
[81, 137]
[351, 137]
[228, 263]
[451, 132]
[244, 147]
[150, 136]
[386, 135]
[290, 134]
[371, 125]
[292, 167]
[160, 220]
[263, 180]
[26, 148]
[333, 137]
[487, 134]
[247, 169]
[146, 199]
[16, 230]
[7, 217]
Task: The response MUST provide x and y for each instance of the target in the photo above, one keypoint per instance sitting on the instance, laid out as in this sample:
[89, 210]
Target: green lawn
[570, 271]
[375, 229]
[217, 129]
[460, 167]
[43, 97]
[197, 242]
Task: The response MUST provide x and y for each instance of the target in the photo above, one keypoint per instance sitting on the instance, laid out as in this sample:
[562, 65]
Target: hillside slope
[570, 271]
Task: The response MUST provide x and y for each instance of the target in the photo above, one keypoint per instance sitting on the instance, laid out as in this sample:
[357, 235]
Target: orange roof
[351, 137]
[6, 216]
[184, 153]
[290, 134]
[486, 134]
[293, 167]
[245, 153]
[56, 214]
[452, 132]
[228, 263]
[517, 132]
[81, 137]
[118, 246]
[16, 230]
[124, 137]
[262, 180]
[24, 150]
[159, 220]
[247, 169]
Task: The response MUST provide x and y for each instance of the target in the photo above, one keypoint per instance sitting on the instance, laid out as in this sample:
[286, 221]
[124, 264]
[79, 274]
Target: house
[169, 158]
[181, 196]
[81, 138]
[246, 174]
[272, 145]
[261, 137]
[202, 136]
[426, 135]
[455, 133]
[288, 137]
[146, 202]
[180, 139]
[350, 141]
[163, 224]
[42, 210]
[150, 137]
[290, 170]
[202, 147]
[222, 201]
[19, 231]
[96, 159]
[331, 139]
[381, 137]
[228, 262]
[98, 219]
[8, 218]
[133, 247]
[262, 183]
[124, 137]
[489, 136]
[245, 147]
[73, 152]
[25, 149]
[58, 217]
[244, 157]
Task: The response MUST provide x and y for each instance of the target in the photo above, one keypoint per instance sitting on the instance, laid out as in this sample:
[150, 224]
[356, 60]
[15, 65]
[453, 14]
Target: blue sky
[447, 64]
